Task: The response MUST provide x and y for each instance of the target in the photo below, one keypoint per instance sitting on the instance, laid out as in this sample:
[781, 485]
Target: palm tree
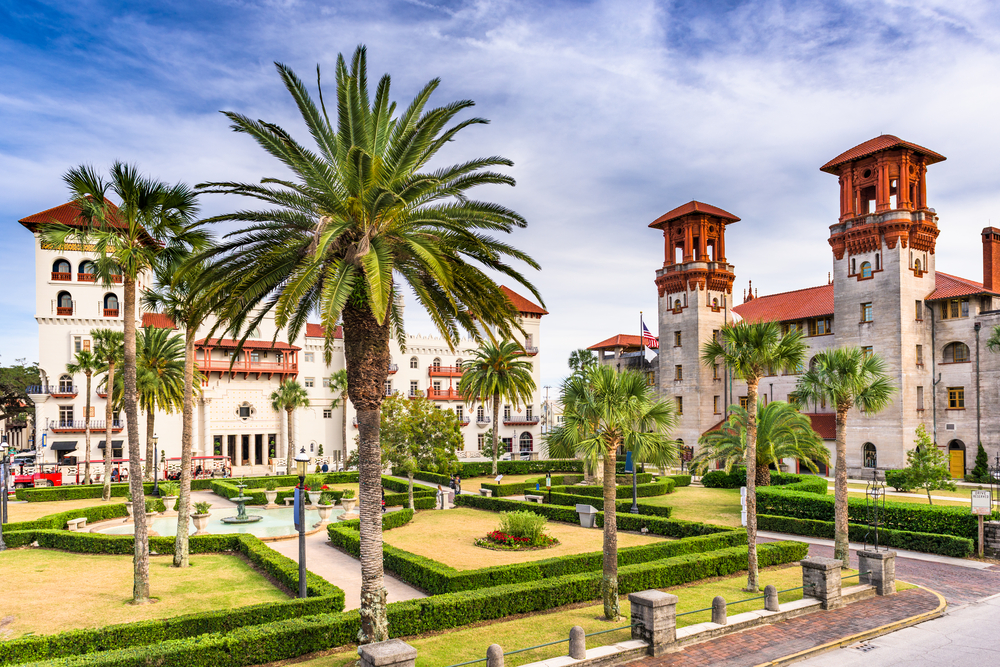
[347, 220]
[497, 373]
[580, 360]
[152, 224]
[187, 307]
[993, 342]
[288, 396]
[848, 378]
[338, 385]
[85, 362]
[782, 432]
[109, 347]
[753, 350]
[602, 411]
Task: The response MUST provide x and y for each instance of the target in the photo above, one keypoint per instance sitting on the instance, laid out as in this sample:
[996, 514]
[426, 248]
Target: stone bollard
[494, 656]
[770, 598]
[821, 580]
[719, 610]
[577, 643]
[880, 567]
[391, 653]
[654, 619]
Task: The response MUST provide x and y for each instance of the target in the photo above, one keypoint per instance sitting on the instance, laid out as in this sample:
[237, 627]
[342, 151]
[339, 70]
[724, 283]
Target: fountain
[241, 509]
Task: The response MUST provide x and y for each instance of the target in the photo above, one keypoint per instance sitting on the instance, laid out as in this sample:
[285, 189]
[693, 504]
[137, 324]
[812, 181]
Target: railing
[102, 393]
[555, 643]
[247, 366]
[63, 391]
[393, 368]
[465, 420]
[86, 278]
[444, 371]
[444, 395]
[531, 351]
[60, 310]
[485, 421]
[79, 425]
[110, 312]
[518, 419]
[59, 275]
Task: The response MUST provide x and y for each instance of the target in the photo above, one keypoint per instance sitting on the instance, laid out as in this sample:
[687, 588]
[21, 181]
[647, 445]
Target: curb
[862, 636]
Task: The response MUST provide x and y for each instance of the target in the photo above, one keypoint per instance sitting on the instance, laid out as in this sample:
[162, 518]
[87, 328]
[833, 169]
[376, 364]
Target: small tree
[927, 466]
[981, 471]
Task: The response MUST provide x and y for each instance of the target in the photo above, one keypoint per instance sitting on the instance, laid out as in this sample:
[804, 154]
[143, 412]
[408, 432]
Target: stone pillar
[654, 618]
[494, 656]
[991, 537]
[821, 580]
[577, 643]
[391, 653]
[207, 446]
[771, 598]
[880, 567]
[719, 610]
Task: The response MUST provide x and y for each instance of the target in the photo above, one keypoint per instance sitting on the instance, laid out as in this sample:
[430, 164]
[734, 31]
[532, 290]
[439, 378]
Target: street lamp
[301, 463]
[156, 466]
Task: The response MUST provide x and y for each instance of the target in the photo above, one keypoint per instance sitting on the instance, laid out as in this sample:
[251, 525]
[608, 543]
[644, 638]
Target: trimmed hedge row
[58, 520]
[484, 468]
[946, 545]
[720, 479]
[291, 638]
[625, 506]
[660, 487]
[679, 480]
[83, 491]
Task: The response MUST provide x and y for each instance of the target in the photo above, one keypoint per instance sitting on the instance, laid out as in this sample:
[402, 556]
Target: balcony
[444, 395]
[110, 312]
[444, 371]
[248, 367]
[465, 419]
[521, 420]
[531, 351]
[393, 368]
[102, 393]
[79, 426]
[64, 277]
[354, 422]
[486, 420]
[61, 391]
[86, 278]
[64, 310]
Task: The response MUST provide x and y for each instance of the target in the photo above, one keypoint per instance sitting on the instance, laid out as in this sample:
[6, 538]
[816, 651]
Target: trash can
[588, 514]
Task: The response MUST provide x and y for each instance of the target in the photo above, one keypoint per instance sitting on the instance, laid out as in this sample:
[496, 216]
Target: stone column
[207, 447]
[821, 580]
[391, 653]
[880, 567]
[654, 615]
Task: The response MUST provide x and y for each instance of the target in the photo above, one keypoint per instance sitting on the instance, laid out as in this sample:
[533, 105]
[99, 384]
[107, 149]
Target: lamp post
[301, 462]
[4, 471]
[156, 466]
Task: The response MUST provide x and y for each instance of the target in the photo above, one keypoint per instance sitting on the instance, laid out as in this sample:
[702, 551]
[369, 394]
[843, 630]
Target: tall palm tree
[582, 359]
[356, 214]
[782, 432]
[848, 378]
[109, 348]
[602, 411]
[993, 342]
[288, 396]
[153, 223]
[752, 350]
[499, 372]
[85, 362]
[188, 307]
[338, 385]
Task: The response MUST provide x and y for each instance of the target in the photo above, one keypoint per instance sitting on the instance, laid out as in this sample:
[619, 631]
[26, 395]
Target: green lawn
[696, 503]
[963, 492]
[918, 498]
[473, 484]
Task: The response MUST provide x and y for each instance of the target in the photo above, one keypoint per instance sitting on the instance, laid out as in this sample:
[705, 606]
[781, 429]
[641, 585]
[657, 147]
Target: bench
[486, 492]
[532, 498]
[77, 524]
[289, 500]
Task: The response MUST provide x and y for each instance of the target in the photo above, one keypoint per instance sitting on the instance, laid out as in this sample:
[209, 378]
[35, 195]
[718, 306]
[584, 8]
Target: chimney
[991, 259]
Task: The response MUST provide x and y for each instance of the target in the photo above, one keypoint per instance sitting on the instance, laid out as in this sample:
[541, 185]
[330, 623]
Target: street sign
[982, 502]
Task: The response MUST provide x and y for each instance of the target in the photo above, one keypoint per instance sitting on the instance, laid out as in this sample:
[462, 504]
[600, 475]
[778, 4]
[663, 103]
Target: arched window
[85, 273]
[812, 364]
[956, 353]
[458, 364]
[413, 362]
[64, 303]
[65, 384]
[677, 304]
[110, 305]
[61, 270]
[866, 269]
[526, 442]
[715, 302]
[480, 414]
[869, 456]
[436, 363]
[916, 265]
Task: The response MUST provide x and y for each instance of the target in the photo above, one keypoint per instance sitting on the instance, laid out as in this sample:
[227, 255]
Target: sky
[612, 112]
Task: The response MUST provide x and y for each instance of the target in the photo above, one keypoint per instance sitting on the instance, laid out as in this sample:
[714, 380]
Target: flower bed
[503, 542]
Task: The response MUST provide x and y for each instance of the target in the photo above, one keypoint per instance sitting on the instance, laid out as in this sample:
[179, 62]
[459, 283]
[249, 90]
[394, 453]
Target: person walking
[458, 484]
[440, 495]
[325, 468]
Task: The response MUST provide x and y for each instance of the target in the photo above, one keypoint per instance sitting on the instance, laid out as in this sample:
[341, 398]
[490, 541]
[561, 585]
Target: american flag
[648, 339]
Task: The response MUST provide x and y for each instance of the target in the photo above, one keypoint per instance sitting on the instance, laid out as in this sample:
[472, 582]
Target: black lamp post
[156, 466]
[301, 463]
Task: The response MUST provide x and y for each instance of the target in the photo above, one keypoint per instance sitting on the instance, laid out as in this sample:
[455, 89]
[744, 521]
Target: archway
[525, 441]
[956, 459]
[869, 455]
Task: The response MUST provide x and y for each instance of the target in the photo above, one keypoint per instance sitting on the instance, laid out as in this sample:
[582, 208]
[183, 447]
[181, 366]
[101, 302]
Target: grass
[24, 511]
[448, 537]
[473, 484]
[961, 494]
[86, 590]
[696, 503]
[919, 498]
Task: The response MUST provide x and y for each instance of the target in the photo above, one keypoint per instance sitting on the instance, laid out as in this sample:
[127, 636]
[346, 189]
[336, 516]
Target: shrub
[680, 480]
[898, 480]
[523, 524]
[621, 505]
[326, 498]
[314, 482]
[347, 493]
[660, 487]
[169, 489]
[271, 485]
[202, 507]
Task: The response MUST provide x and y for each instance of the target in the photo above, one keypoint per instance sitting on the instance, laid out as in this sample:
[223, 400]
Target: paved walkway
[777, 640]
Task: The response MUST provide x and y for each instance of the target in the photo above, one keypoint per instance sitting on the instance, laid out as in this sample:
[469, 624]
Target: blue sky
[613, 112]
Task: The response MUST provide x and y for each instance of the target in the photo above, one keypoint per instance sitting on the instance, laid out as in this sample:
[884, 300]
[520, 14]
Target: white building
[233, 417]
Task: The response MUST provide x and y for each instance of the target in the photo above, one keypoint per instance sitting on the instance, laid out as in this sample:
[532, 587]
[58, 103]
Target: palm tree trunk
[409, 490]
[140, 559]
[751, 463]
[86, 436]
[181, 543]
[150, 454]
[343, 429]
[609, 579]
[366, 348]
[496, 431]
[841, 545]
[763, 477]
[289, 445]
[108, 414]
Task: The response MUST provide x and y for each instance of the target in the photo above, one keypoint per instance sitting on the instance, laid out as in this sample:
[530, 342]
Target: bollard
[577, 643]
[494, 656]
[719, 610]
[654, 619]
[770, 598]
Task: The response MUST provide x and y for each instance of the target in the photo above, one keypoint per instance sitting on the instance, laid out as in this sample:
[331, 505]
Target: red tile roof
[948, 286]
[788, 306]
[69, 214]
[824, 424]
[880, 143]
[157, 321]
[316, 331]
[693, 207]
[621, 340]
[522, 304]
[250, 344]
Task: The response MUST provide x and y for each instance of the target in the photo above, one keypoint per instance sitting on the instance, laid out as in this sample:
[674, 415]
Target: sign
[982, 502]
[499, 477]
[297, 505]
[628, 463]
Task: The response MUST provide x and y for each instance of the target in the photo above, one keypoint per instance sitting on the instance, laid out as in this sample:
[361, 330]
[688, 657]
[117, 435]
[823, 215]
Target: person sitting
[198, 472]
[115, 475]
[124, 475]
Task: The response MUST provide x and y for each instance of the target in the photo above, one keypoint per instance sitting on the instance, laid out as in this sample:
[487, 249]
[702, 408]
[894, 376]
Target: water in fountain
[241, 510]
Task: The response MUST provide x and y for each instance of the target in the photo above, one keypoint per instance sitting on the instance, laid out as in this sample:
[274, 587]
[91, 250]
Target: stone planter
[271, 496]
[200, 523]
[170, 502]
[324, 513]
[149, 519]
[348, 503]
[313, 496]
[128, 508]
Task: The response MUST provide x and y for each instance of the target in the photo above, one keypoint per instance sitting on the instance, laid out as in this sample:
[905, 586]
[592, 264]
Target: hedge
[569, 499]
[946, 545]
[660, 487]
[227, 489]
[680, 480]
[58, 521]
[720, 479]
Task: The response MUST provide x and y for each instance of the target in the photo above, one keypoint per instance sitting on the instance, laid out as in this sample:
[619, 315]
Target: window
[956, 353]
[255, 356]
[480, 414]
[867, 351]
[86, 271]
[437, 386]
[528, 410]
[65, 415]
[920, 355]
[819, 327]
[715, 404]
[920, 398]
[918, 311]
[460, 412]
[854, 266]
[326, 382]
[327, 414]
[413, 388]
[529, 341]
[481, 441]
[310, 382]
[744, 402]
[77, 343]
[715, 371]
[715, 334]
[64, 303]
[954, 308]
[678, 372]
[916, 266]
[869, 455]
[245, 411]
[956, 398]
[866, 270]
[506, 412]
[677, 305]
[866, 312]
[650, 379]
[965, 307]
[677, 339]
[680, 404]
[65, 384]
[388, 388]
[413, 362]
[110, 305]
[878, 262]
[61, 270]
[436, 364]
[310, 357]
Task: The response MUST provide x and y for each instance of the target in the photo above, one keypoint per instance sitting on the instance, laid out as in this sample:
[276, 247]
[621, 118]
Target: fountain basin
[274, 523]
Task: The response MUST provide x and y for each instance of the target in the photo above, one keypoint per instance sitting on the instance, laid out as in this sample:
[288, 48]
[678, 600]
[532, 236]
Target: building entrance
[956, 459]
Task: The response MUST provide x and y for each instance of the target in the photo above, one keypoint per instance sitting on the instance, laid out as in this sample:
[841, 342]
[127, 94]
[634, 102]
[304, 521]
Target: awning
[65, 446]
[115, 444]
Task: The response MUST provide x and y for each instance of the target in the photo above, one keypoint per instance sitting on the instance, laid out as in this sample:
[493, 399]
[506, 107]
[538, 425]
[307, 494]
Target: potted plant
[271, 491]
[128, 505]
[314, 485]
[200, 517]
[325, 507]
[347, 500]
[169, 491]
[150, 512]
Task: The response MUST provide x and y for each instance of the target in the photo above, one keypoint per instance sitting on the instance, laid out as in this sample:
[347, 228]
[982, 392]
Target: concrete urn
[324, 513]
[200, 523]
[128, 508]
[271, 496]
[170, 502]
[348, 504]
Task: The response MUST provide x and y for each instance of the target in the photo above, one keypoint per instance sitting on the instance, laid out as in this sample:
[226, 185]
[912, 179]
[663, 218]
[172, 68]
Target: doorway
[956, 459]
[231, 453]
[245, 449]
[258, 449]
